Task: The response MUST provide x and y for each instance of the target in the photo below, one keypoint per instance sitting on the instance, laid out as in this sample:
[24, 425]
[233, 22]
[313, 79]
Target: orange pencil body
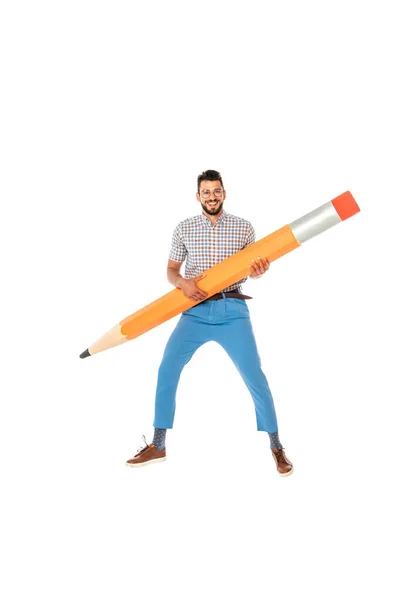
[229, 271]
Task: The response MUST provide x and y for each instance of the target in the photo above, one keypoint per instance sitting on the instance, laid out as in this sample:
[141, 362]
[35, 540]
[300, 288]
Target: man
[204, 241]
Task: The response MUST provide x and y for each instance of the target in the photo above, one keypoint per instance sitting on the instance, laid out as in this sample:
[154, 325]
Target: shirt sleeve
[178, 250]
[251, 236]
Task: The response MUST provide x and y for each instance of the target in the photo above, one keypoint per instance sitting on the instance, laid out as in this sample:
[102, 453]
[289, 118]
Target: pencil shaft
[229, 271]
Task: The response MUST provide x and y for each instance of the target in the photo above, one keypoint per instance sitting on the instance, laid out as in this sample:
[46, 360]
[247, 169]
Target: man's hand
[190, 289]
[259, 267]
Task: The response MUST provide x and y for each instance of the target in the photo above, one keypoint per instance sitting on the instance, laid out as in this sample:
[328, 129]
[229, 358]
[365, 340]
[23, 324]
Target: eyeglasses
[207, 193]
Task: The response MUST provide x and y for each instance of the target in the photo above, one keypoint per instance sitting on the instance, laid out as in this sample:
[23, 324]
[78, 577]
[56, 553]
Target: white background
[109, 110]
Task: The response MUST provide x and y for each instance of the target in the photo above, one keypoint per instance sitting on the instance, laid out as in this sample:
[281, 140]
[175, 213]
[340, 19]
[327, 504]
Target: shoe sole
[286, 474]
[147, 462]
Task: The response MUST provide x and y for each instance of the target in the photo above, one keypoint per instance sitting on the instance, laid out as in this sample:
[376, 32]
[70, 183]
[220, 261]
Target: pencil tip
[85, 354]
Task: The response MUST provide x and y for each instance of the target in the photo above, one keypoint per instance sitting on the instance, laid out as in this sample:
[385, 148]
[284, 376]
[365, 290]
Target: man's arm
[261, 265]
[173, 272]
[188, 286]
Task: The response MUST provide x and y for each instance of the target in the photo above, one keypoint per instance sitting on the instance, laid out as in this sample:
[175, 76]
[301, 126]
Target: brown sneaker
[147, 455]
[283, 465]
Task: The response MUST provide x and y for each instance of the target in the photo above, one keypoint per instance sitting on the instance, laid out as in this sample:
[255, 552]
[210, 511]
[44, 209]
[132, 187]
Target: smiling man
[203, 241]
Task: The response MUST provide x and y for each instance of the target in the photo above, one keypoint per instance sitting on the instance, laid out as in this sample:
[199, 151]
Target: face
[211, 197]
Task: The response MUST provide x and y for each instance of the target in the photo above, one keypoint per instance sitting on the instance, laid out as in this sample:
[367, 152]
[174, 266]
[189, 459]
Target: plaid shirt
[203, 245]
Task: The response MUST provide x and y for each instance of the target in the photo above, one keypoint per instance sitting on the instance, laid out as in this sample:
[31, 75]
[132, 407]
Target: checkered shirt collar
[220, 219]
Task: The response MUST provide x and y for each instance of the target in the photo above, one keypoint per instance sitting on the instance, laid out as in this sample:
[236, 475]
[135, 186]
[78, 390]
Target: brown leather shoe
[283, 464]
[147, 455]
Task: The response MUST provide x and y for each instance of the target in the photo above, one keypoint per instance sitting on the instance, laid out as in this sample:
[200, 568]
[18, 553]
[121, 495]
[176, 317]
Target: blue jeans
[227, 322]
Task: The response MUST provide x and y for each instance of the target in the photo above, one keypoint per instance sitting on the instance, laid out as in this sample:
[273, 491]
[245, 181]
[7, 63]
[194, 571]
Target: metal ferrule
[315, 222]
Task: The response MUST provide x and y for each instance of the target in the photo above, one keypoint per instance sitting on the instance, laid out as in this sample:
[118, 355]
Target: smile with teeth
[213, 203]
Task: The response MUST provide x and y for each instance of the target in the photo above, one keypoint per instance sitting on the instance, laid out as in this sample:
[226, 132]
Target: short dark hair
[209, 175]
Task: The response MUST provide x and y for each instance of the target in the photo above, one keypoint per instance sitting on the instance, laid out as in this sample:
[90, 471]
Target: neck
[213, 218]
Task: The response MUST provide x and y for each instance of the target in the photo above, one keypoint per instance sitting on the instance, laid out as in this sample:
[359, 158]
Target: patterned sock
[274, 439]
[159, 438]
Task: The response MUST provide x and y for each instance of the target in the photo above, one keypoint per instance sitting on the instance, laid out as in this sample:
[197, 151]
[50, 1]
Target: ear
[198, 196]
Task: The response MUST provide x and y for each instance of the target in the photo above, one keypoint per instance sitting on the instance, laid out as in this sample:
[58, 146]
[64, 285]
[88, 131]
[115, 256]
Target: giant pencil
[229, 271]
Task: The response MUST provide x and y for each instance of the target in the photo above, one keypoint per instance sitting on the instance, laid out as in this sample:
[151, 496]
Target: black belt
[231, 294]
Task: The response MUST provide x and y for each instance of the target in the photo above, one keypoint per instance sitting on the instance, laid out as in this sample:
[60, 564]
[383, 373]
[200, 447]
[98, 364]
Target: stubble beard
[212, 211]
